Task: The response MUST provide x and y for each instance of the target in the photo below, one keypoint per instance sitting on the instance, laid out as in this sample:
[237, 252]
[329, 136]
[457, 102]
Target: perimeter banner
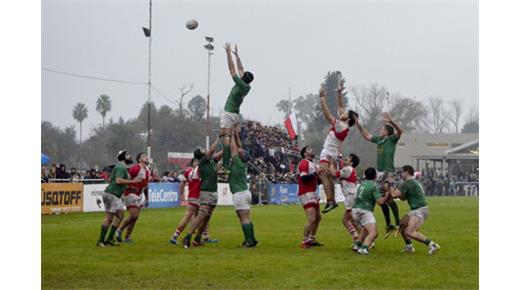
[61, 198]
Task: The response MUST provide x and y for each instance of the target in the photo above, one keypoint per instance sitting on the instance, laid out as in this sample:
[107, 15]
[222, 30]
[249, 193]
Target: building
[447, 152]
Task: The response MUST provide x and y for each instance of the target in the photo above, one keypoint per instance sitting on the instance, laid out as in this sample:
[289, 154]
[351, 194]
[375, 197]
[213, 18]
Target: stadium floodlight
[209, 47]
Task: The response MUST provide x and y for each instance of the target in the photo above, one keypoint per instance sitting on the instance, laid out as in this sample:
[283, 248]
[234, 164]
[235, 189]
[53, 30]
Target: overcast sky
[420, 48]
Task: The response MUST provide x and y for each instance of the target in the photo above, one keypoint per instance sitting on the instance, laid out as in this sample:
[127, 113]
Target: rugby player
[307, 186]
[230, 117]
[114, 206]
[133, 197]
[386, 145]
[208, 192]
[191, 176]
[332, 145]
[363, 211]
[239, 188]
[348, 179]
[412, 191]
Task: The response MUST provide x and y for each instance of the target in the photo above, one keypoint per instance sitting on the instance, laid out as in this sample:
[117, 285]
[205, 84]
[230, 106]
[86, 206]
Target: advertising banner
[61, 198]
[337, 191]
[283, 193]
[163, 195]
[225, 197]
[92, 197]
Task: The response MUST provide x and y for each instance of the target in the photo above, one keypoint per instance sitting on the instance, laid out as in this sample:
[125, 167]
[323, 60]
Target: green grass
[71, 260]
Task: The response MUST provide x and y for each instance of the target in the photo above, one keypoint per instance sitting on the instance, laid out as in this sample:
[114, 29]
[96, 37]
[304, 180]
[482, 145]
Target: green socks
[102, 234]
[408, 241]
[395, 212]
[113, 230]
[249, 233]
[386, 214]
[427, 241]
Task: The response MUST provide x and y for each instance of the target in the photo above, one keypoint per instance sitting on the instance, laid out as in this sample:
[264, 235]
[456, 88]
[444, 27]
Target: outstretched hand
[341, 87]
[386, 117]
[227, 47]
[236, 51]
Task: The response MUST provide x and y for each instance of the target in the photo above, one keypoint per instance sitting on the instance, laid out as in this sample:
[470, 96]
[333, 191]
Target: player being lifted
[238, 186]
[386, 144]
[112, 198]
[231, 115]
[332, 145]
[307, 193]
[208, 191]
[363, 211]
[348, 178]
[412, 191]
[133, 197]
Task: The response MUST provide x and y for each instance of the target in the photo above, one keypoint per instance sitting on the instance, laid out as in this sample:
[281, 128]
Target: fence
[66, 196]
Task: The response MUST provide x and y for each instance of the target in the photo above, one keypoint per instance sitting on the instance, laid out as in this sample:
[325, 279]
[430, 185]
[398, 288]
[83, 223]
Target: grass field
[70, 258]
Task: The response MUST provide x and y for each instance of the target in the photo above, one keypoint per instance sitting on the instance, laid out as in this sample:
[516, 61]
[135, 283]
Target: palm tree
[103, 106]
[80, 113]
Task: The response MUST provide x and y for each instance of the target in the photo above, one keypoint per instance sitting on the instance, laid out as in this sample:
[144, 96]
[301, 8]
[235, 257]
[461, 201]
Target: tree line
[433, 116]
[180, 128]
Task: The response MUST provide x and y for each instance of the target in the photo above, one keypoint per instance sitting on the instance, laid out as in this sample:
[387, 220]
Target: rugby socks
[246, 232]
[103, 233]
[359, 244]
[427, 241]
[386, 213]
[395, 212]
[407, 241]
[113, 230]
[253, 233]
[176, 234]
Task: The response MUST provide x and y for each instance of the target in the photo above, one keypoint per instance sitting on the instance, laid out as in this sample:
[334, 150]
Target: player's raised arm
[363, 131]
[218, 155]
[341, 105]
[240, 67]
[325, 107]
[213, 147]
[231, 64]
[388, 119]
[234, 146]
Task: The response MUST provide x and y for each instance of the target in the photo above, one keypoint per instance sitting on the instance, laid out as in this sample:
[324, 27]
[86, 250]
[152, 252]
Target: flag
[291, 125]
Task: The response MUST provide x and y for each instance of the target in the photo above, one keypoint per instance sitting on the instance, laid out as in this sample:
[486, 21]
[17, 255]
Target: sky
[414, 48]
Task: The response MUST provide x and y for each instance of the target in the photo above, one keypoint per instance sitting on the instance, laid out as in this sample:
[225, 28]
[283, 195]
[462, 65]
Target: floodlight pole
[209, 47]
[148, 148]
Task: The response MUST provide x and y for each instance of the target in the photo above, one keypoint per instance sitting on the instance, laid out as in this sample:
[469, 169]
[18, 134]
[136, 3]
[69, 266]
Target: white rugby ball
[192, 24]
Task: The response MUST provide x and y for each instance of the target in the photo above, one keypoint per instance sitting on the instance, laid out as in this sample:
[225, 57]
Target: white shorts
[422, 213]
[363, 217]
[349, 194]
[310, 199]
[112, 203]
[242, 200]
[329, 155]
[208, 198]
[134, 200]
[229, 120]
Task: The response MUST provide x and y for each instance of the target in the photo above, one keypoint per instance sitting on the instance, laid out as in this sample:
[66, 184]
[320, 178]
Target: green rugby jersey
[385, 152]
[238, 175]
[367, 194]
[414, 193]
[120, 171]
[208, 174]
[236, 96]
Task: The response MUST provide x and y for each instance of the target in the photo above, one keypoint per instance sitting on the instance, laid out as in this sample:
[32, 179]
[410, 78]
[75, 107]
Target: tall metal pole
[208, 129]
[149, 149]
[209, 47]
